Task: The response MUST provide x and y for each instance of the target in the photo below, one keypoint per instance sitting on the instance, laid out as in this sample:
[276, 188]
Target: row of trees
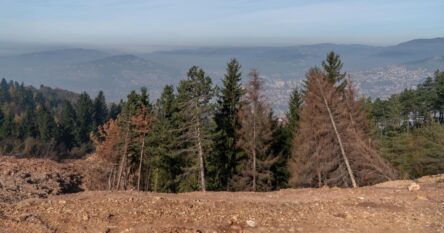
[200, 137]
[196, 137]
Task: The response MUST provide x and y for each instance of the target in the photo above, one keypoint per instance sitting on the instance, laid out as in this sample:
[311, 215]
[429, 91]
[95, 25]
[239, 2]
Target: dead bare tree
[141, 123]
[107, 142]
[122, 166]
[255, 137]
[318, 79]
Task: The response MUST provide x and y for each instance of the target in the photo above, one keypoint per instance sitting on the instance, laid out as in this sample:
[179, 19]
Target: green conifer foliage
[332, 67]
[84, 111]
[224, 159]
[100, 112]
[194, 96]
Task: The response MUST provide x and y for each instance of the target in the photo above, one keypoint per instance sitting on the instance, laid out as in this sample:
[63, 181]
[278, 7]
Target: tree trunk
[140, 162]
[254, 158]
[111, 179]
[148, 176]
[254, 147]
[201, 161]
[156, 179]
[113, 182]
[123, 160]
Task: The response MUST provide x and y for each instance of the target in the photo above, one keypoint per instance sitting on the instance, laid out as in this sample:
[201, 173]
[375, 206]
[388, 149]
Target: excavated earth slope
[22, 178]
[387, 207]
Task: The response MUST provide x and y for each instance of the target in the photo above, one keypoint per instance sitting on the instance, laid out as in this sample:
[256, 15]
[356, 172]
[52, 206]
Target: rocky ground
[387, 207]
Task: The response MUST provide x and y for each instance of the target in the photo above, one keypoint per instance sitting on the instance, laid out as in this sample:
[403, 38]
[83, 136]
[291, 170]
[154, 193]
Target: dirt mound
[22, 178]
[435, 179]
[426, 180]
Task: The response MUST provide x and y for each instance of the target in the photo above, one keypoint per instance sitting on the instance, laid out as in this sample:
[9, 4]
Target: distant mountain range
[378, 71]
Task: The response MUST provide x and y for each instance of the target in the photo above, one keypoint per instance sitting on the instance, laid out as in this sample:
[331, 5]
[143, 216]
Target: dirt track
[387, 207]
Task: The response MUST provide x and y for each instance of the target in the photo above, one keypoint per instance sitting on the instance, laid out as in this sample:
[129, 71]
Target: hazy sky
[167, 23]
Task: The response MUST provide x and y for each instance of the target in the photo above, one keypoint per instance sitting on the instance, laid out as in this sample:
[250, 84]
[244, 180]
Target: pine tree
[426, 98]
[162, 141]
[68, 126]
[114, 110]
[8, 127]
[281, 147]
[2, 121]
[194, 95]
[4, 92]
[293, 117]
[255, 140]
[145, 98]
[100, 111]
[45, 124]
[332, 67]
[439, 90]
[84, 112]
[28, 125]
[224, 159]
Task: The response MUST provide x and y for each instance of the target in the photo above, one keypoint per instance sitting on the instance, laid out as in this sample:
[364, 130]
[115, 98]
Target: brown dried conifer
[255, 138]
[332, 147]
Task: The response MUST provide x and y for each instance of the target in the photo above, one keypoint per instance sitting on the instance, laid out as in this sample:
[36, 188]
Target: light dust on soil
[387, 207]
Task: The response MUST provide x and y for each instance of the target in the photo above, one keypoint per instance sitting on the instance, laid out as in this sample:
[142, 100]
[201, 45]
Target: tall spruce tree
[281, 147]
[293, 117]
[222, 163]
[84, 112]
[194, 96]
[162, 140]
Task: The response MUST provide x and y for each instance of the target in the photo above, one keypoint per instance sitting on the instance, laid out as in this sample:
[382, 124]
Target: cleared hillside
[387, 207]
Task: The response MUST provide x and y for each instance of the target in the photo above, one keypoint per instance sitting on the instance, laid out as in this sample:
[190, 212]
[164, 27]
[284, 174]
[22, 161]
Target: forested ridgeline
[48, 122]
[198, 136]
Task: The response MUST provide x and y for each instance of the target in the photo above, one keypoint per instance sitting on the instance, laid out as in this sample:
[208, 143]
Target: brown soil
[22, 178]
[387, 207]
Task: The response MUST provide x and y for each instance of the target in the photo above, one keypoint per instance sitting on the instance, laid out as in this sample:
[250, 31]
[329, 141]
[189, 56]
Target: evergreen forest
[199, 136]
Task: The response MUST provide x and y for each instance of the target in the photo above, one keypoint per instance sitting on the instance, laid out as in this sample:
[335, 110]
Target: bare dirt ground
[28, 178]
[387, 207]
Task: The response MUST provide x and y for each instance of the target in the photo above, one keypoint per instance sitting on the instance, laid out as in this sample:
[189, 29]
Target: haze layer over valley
[377, 71]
